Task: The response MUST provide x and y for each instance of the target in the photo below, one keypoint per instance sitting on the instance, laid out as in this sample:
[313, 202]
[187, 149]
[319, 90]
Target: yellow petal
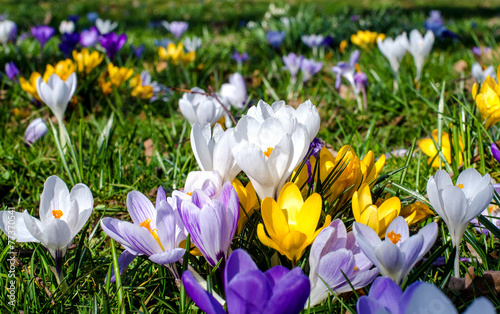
[292, 245]
[290, 201]
[274, 219]
[261, 234]
[308, 217]
[370, 218]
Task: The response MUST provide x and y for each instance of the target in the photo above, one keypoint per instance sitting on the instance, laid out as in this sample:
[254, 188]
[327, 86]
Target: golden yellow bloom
[87, 61]
[343, 45]
[488, 100]
[366, 39]
[248, 202]
[376, 217]
[371, 169]
[175, 54]
[30, 86]
[116, 76]
[416, 212]
[63, 69]
[429, 148]
[139, 90]
[291, 222]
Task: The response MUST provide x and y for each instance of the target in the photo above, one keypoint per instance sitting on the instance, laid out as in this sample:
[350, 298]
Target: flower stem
[457, 262]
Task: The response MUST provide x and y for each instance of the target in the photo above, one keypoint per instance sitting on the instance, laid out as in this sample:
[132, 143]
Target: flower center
[146, 224]
[268, 151]
[460, 185]
[189, 193]
[57, 214]
[394, 237]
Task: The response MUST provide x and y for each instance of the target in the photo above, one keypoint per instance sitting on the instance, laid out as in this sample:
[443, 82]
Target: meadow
[376, 163]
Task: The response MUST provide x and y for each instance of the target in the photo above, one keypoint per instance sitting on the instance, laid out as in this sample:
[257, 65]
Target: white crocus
[458, 204]
[192, 44]
[420, 47]
[8, 30]
[67, 27]
[62, 215]
[394, 50]
[272, 141]
[57, 93]
[235, 92]
[106, 26]
[212, 150]
[196, 107]
[480, 75]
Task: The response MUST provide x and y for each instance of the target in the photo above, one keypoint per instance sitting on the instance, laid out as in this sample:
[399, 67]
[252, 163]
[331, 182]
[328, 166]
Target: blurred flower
[67, 27]
[92, 17]
[428, 147]
[69, 43]
[234, 93]
[57, 93]
[192, 44]
[112, 43]
[142, 85]
[457, 205]
[366, 39]
[376, 217]
[74, 18]
[480, 75]
[162, 42]
[248, 290]
[35, 130]
[175, 54]
[292, 63]
[137, 50]
[117, 76]
[435, 24]
[394, 50]
[309, 67]
[275, 38]
[342, 46]
[239, 58]
[478, 51]
[328, 41]
[420, 47]
[312, 40]
[86, 61]
[30, 86]
[337, 263]
[488, 101]
[495, 152]
[196, 107]
[63, 69]
[291, 222]
[347, 70]
[177, 28]
[106, 26]
[11, 70]
[8, 31]
[42, 33]
[360, 79]
[90, 37]
[248, 202]
[415, 212]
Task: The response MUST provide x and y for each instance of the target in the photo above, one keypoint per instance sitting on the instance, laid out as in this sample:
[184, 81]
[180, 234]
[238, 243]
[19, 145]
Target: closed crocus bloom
[57, 93]
[458, 204]
[291, 223]
[313, 40]
[428, 147]
[8, 31]
[86, 61]
[235, 92]
[481, 74]
[398, 253]
[394, 50]
[63, 69]
[42, 33]
[495, 151]
[370, 168]
[420, 47]
[62, 216]
[178, 28]
[192, 44]
[67, 27]
[416, 212]
[35, 130]
[89, 37]
[377, 218]
[112, 43]
[30, 86]
[366, 39]
[309, 68]
[248, 202]
[249, 290]
[334, 256]
[292, 63]
[105, 26]
[11, 70]
[196, 107]
[212, 150]
[488, 101]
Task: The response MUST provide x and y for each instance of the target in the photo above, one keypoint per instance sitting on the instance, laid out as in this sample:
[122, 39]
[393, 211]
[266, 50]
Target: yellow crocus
[343, 46]
[30, 86]
[248, 202]
[376, 217]
[63, 69]
[291, 223]
[86, 61]
[366, 39]
[416, 212]
[115, 76]
[429, 148]
[175, 54]
[139, 90]
[371, 169]
[488, 100]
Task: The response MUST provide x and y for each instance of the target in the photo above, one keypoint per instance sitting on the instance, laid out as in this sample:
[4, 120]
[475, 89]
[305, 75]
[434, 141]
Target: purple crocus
[92, 17]
[42, 33]
[138, 51]
[74, 18]
[275, 38]
[313, 40]
[477, 51]
[292, 63]
[69, 43]
[495, 152]
[35, 131]
[335, 256]
[360, 79]
[435, 24]
[420, 297]
[309, 67]
[396, 256]
[347, 69]
[11, 70]
[89, 37]
[249, 290]
[112, 43]
[239, 58]
[177, 28]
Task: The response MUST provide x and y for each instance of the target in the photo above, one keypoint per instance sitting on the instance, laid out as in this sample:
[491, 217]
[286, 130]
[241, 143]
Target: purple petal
[387, 292]
[248, 292]
[367, 305]
[276, 273]
[123, 261]
[140, 208]
[289, 294]
[168, 257]
[237, 262]
[160, 195]
[204, 300]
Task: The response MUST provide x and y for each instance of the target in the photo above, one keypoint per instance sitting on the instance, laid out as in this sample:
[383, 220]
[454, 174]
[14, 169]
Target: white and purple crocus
[347, 70]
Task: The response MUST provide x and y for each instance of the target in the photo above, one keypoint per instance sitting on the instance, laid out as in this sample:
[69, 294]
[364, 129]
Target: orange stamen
[394, 237]
[268, 151]
[461, 186]
[146, 224]
[189, 193]
[57, 214]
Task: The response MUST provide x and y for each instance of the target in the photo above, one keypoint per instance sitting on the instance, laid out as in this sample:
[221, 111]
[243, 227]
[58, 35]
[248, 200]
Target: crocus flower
[177, 28]
[394, 50]
[42, 33]
[196, 107]
[8, 31]
[495, 152]
[428, 147]
[313, 40]
[35, 130]
[272, 141]
[142, 85]
[234, 93]
[435, 24]
[112, 43]
[488, 101]
[74, 18]
[212, 221]
[366, 39]
[420, 47]
[385, 296]
[376, 217]
[63, 69]
[162, 42]
[360, 79]
[275, 38]
[29, 86]
[62, 216]
[458, 204]
[56, 93]
[69, 41]
[415, 212]
[239, 58]
[292, 63]
[117, 76]
[154, 232]
[11, 70]
[175, 54]
[192, 44]
[86, 61]
[334, 256]
[249, 290]
[291, 222]
[67, 27]
[347, 70]
[89, 37]
[138, 51]
[480, 75]
[106, 26]
[248, 202]
[309, 67]
[492, 212]
[92, 17]
[398, 253]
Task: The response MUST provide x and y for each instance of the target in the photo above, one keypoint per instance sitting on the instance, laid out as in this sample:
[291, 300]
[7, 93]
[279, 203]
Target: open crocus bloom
[292, 63]
[347, 70]
[249, 290]
[196, 107]
[396, 256]
[335, 254]
[481, 74]
[488, 101]
[394, 50]
[291, 223]
[428, 147]
[309, 67]
[272, 141]
[420, 47]
[56, 93]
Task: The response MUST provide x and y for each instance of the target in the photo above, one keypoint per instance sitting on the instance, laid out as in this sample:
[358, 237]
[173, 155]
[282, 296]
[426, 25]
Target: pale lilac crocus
[309, 68]
[334, 256]
[42, 33]
[112, 43]
[398, 253]
[8, 31]
[92, 17]
[495, 152]
[249, 290]
[192, 43]
[347, 70]
[292, 63]
[313, 40]
[239, 58]
[11, 70]
[480, 75]
[275, 38]
[178, 28]
[394, 50]
[57, 93]
[35, 130]
[89, 37]
[420, 47]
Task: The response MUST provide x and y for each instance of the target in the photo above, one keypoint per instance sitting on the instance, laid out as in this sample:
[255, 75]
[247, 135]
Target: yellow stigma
[358, 68]
[460, 185]
[57, 214]
[356, 268]
[189, 193]
[268, 151]
[394, 237]
[146, 224]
